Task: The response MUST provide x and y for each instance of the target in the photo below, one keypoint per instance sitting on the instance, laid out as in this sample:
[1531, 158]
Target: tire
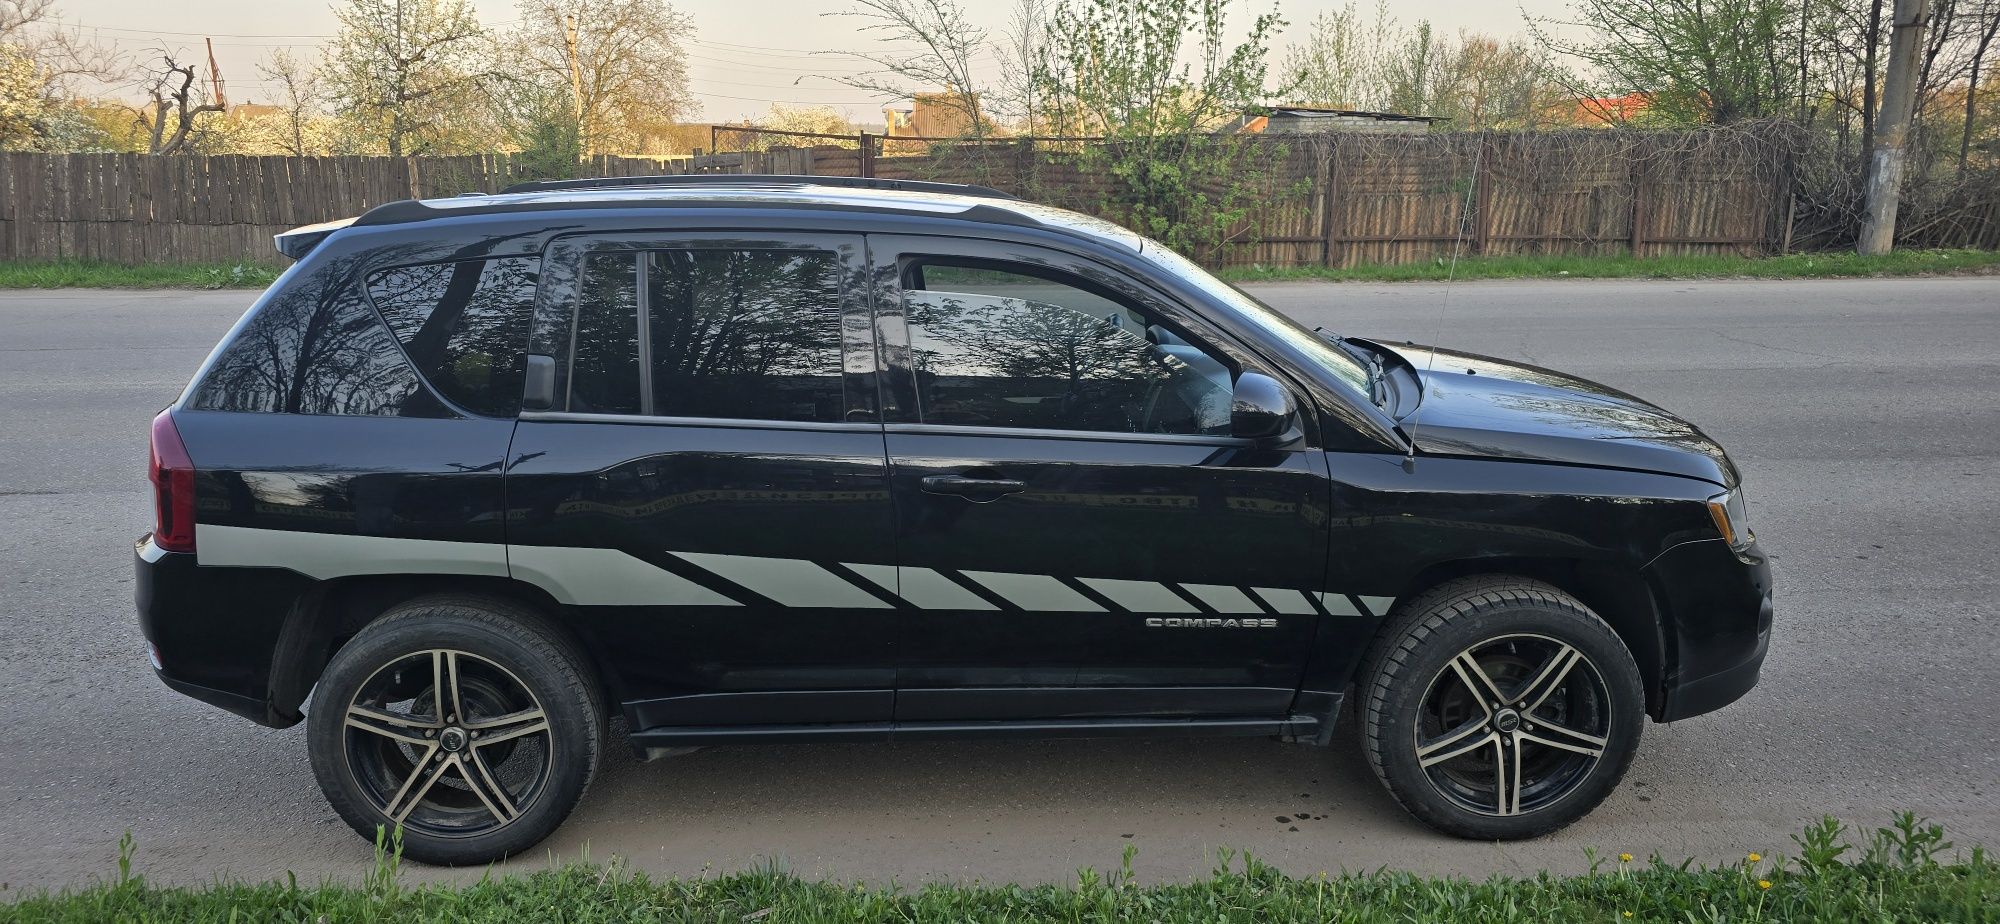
[386, 749]
[1550, 738]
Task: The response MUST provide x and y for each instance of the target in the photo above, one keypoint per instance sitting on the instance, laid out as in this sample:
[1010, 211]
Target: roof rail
[757, 179]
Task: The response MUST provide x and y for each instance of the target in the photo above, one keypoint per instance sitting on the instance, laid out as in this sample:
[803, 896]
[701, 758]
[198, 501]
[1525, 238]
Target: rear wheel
[467, 722]
[1500, 708]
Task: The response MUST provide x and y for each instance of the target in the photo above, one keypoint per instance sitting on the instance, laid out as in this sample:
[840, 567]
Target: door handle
[976, 489]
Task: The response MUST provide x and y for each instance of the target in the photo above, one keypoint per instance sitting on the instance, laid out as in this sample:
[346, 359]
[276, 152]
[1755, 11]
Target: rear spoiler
[300, 241]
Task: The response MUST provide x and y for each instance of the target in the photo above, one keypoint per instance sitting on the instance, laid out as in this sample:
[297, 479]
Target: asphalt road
[1864, 414]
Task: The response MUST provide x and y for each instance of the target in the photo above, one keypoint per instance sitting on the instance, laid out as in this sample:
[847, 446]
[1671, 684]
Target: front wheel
[1500, 708]
[466, 722]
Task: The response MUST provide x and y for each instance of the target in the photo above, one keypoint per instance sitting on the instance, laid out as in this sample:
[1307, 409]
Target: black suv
[758, 459]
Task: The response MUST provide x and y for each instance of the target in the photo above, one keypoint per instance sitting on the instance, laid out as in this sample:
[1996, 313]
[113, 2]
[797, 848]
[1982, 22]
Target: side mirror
[540, 392]
[1261, 408]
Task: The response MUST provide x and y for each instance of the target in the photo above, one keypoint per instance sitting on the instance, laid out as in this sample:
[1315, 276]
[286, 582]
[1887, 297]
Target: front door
[1078, 535]
[709, 488]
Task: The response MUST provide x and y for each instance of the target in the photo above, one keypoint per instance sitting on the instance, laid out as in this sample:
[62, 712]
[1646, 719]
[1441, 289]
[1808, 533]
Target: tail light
[172, 473]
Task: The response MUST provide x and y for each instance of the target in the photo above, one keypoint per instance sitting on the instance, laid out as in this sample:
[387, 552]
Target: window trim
[568, 253]
[733, 423]
[1093, 436]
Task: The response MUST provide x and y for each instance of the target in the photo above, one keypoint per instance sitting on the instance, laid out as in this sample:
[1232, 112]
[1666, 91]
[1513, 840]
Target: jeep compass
[743, 459]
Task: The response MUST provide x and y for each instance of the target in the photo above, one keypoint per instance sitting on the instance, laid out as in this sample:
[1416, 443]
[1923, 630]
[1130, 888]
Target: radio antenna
[1444, 303]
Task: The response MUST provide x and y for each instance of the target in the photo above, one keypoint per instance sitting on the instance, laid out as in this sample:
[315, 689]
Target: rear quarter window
[314, 348]
[465, 325]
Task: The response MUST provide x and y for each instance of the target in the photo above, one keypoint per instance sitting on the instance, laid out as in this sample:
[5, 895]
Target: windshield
[1340, 366]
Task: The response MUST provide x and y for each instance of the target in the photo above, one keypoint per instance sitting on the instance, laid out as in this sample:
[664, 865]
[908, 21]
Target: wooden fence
[1321, 200]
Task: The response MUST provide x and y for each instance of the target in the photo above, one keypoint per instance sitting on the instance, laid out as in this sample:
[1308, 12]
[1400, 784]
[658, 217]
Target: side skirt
[1293, 727]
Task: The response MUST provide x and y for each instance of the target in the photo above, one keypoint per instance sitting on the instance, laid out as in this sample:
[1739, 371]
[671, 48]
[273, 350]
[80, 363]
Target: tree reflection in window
[314, 348]
[751, 334]
[464, 324]
[991, 361]
[604, 375]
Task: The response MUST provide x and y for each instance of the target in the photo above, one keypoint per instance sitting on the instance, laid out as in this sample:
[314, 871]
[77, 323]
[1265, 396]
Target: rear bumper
[213, 630]
[1718, 612]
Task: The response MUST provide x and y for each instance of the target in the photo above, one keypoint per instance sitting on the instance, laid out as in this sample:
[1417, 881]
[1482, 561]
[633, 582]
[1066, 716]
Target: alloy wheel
[447, 743]
[1513, 724]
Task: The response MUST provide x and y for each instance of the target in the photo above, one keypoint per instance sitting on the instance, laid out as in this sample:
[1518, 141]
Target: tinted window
[314, 349]
[750, 334]
[983, 280]
[1056, 357]
[465, 325]
[604, 370]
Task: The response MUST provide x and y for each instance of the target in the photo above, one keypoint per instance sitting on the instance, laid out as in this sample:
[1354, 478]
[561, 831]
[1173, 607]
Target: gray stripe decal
[1338, 605]
[1140, 596]
[610, 577]
[1035, 592]
[922, 587]
[1378, 606]
[789, 581]
[884, 576]
[606, 577]
[1286, 601]
[331, 555]
[1223, 598]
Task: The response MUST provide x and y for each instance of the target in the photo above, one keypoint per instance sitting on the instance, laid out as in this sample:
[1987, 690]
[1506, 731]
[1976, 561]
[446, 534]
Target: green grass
[1906, 872]
[91, 274]
[1792, 266]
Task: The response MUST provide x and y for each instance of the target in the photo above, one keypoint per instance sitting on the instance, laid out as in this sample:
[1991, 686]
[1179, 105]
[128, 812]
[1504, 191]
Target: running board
[1295, 726]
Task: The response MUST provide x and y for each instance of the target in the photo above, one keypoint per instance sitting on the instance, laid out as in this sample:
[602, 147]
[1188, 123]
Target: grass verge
[1905, 872]
[1791, 266]
[91, 274]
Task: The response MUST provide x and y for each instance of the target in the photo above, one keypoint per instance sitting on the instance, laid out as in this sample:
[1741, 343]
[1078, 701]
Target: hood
[1480, 406]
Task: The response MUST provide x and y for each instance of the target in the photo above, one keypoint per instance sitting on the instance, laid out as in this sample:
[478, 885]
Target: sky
[744, 56]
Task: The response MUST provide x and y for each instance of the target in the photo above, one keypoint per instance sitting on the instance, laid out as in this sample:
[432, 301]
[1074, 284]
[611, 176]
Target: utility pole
[1892, 130]
[575, 77]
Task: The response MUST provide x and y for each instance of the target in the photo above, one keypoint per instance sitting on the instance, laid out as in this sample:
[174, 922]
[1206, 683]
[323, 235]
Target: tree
[1991, 13]
[1022, 47]
[63, 57]
[24, 106]
[620, 61]
[1698, 61]
[298, 96]
[947, 43]
[1886, 161]
[402, 72]
[178, 96]
[41, 65]
[1339, 62]
[1474, 81]
[1125, 69]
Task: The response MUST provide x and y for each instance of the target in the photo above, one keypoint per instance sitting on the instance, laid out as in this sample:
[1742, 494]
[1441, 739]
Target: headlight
[1732, 516]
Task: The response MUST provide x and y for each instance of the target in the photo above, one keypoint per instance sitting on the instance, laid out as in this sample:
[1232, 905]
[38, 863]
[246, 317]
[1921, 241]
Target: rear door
[709, 490]
[1079, 535]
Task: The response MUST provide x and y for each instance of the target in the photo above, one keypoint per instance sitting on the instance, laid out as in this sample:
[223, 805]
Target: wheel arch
[333, 611]
[1618, 594]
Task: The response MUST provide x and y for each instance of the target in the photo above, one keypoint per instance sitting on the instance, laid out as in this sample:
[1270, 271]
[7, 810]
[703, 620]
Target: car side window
[712, 333]
[315, 348]
[465, 325]
[1024, 350]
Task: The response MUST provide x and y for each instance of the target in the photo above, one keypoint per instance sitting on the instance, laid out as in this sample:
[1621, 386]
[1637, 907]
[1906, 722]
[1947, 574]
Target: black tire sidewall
[542, 663]
[1403, 683]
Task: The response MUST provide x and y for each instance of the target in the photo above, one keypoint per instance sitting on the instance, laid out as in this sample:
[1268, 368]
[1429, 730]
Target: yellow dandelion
[1624, 858]
[1755, 856]
[1763, 883]
[1626, 913]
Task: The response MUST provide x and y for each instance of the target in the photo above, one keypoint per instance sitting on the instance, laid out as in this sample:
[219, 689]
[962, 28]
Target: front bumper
[1717, 613]
[213, 631]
